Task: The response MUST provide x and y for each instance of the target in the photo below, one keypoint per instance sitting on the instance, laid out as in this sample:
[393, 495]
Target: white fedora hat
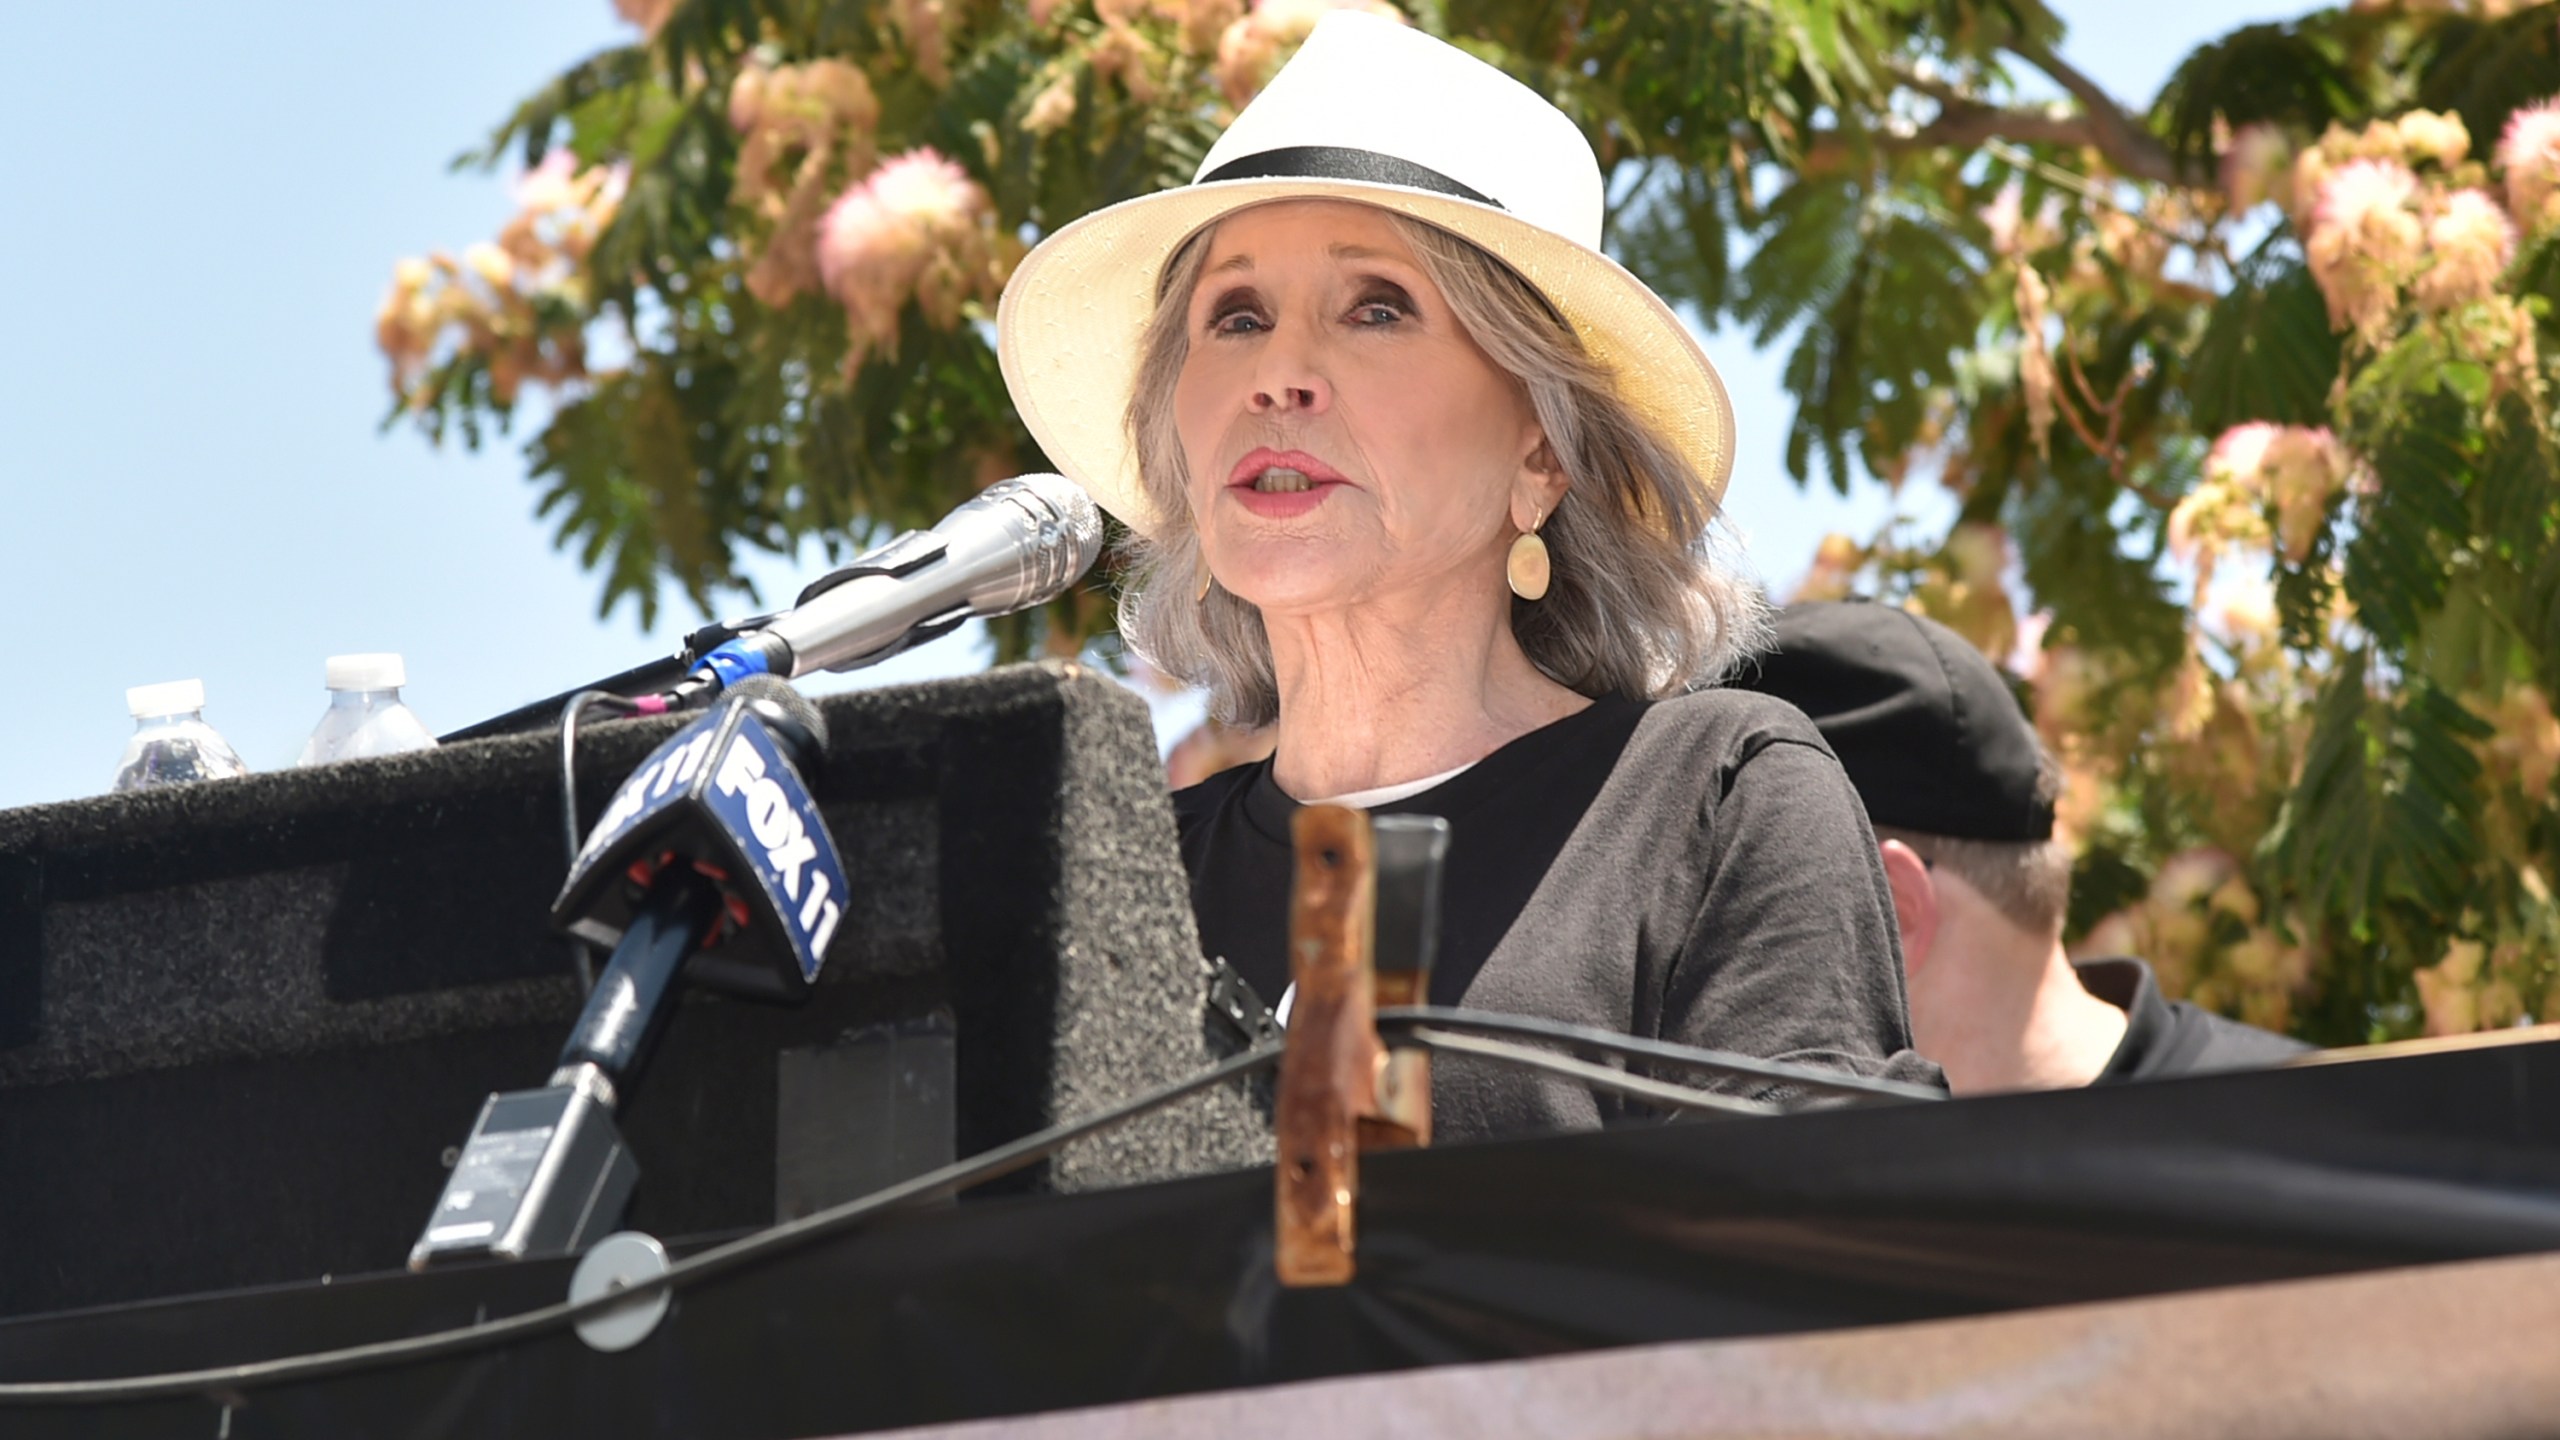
[1369, 111]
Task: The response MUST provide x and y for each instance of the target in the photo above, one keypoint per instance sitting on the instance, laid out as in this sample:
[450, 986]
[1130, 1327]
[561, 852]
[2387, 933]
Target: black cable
[581, 956]
[720, 1259]
[1598, 1077]
[1751, 1067]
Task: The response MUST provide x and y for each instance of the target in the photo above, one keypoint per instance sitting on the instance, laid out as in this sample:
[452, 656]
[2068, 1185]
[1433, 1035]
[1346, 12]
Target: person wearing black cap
[1961, 793]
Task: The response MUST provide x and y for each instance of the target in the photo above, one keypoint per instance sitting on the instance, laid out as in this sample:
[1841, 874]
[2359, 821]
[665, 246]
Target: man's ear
[1915, 902]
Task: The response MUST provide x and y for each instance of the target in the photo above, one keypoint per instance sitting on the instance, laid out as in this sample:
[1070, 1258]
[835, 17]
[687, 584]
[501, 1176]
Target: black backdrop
[1683, 1231]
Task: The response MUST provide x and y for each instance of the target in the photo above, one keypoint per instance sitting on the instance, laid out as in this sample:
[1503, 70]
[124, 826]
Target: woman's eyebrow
[1345, 251]
[1339, 250]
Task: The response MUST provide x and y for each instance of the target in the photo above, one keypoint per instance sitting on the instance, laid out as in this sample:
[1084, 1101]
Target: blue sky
[206, 202]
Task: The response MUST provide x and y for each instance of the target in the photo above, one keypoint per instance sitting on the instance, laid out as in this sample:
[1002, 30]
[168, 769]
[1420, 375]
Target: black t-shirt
[1508, 815]
[1695, 870]
[2171, 1037]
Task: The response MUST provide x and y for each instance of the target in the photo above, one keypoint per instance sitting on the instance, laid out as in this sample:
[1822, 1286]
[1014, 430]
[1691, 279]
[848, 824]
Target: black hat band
[1343, 162]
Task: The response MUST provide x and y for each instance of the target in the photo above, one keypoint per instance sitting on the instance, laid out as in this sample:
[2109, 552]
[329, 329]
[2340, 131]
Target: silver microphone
[1018, 543]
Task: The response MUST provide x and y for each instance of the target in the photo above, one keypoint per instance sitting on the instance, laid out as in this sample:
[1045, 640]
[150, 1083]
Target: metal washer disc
[619, 1261]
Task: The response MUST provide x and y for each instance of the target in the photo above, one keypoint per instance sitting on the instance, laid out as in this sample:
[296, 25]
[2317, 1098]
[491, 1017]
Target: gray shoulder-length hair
[1645, 600]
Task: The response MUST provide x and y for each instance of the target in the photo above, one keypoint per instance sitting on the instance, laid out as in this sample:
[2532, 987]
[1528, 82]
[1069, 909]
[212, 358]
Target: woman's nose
[1288, 397]
[1288, 383]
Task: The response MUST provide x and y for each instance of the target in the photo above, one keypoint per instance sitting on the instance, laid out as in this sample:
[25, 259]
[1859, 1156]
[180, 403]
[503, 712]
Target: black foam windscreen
[791, 716]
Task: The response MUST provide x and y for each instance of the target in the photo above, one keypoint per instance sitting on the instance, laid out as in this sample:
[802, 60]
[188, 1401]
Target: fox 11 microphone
[712, 861]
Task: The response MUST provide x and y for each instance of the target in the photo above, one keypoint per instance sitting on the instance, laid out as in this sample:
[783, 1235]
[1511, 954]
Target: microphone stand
[650, 679]
[654, 677]
[624, 1010]
[546, 1171]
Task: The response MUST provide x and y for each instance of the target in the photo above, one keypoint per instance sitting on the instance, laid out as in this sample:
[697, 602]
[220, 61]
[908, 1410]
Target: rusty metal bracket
[1341, 1091]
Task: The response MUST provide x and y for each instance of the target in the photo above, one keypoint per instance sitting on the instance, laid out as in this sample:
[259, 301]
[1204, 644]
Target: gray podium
[242, 1023]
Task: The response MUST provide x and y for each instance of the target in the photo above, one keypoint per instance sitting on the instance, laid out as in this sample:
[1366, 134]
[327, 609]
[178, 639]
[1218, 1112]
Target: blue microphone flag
[723, 793]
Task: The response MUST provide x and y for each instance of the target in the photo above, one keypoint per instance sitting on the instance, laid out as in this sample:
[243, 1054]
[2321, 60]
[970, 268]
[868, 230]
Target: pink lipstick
[1281, 484]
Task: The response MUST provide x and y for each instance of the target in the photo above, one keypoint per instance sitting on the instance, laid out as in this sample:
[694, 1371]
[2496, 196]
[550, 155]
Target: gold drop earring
[1205, 578]
[1527, 567]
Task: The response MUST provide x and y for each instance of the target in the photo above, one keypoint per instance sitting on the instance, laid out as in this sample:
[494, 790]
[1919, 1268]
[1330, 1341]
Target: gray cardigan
[1720, 888]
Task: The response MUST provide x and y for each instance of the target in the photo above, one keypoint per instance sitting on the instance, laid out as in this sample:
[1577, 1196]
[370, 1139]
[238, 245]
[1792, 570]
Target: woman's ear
[1915, 902]
[1541, 485]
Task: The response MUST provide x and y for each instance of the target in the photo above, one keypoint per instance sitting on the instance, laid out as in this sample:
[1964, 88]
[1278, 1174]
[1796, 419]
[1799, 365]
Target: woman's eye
[1238, 321]
[1377, 312]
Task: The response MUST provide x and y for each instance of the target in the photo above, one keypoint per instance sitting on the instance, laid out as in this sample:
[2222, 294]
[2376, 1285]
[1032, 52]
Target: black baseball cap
[1929, 732]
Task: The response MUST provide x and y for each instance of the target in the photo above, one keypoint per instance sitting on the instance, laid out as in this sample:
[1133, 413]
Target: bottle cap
[367, 672]
[173, 697]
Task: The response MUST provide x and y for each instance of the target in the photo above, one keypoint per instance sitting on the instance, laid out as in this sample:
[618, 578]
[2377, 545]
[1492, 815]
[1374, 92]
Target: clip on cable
[1363, 926]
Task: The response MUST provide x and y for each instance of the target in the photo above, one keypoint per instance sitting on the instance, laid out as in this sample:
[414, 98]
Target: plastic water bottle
[365, 715]
[171, 744]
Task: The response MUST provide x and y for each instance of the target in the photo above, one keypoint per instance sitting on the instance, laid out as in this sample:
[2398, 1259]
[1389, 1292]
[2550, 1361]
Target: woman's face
[1346, 439]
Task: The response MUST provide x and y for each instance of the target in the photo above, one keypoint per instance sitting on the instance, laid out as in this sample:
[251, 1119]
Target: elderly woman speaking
[1419, 478]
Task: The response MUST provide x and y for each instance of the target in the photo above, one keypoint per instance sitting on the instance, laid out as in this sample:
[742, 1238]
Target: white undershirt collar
[1389, 794]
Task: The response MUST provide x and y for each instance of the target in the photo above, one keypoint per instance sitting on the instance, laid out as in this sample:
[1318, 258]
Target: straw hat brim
[1074, 314]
